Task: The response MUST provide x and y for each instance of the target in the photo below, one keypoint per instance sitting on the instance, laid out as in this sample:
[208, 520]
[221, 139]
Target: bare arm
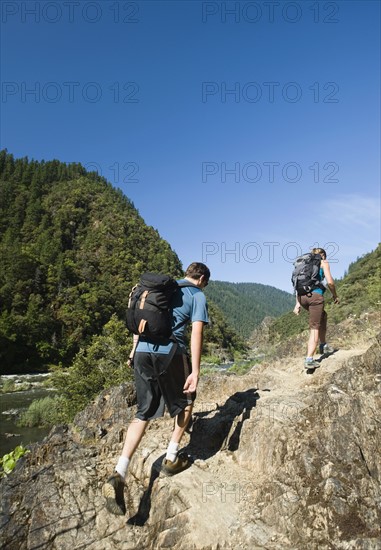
[297, 306]
[330, 281]
[196, 348]
[135, 340]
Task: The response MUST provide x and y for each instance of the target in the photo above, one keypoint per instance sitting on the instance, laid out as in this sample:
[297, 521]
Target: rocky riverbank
[17, 392]
[282, 460]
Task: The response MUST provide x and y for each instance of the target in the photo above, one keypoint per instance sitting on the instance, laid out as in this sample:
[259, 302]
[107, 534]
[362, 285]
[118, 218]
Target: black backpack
[149, 311]
[306, 274]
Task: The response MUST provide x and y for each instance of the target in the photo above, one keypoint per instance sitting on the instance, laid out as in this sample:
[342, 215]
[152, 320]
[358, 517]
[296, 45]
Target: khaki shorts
[314, 304]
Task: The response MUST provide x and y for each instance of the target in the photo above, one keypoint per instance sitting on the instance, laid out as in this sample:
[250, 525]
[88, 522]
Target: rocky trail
[282, 459]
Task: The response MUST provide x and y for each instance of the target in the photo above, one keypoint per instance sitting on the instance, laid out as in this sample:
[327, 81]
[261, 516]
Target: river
[12, 404]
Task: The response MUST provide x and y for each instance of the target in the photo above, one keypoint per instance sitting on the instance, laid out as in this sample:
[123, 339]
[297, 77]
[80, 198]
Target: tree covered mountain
[245, 305]
[71, 248]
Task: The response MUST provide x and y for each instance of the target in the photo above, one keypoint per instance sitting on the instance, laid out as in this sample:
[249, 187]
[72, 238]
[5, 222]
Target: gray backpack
[306, 274]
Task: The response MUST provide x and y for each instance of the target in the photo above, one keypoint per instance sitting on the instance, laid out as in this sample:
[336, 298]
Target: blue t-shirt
[189, 305]
[321, 276]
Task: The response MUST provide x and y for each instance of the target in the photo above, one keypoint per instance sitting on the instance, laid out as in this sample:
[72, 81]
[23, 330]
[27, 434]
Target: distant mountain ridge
[245, 305]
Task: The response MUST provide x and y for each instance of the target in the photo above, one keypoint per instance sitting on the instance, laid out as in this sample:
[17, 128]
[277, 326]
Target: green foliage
[219, 334]
[10, 386]
[209, 371]
[47, 383]
[358, 291]
[43, 412]
[71, 247]
[245, 305]
[287, 325]
[102, 364]
[241, 368]
[8, 461]
[210, 360]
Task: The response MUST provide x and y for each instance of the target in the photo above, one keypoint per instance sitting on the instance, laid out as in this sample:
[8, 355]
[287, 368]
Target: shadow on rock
[208, 436]
[326, 355]
[211, 434]
[142, 514]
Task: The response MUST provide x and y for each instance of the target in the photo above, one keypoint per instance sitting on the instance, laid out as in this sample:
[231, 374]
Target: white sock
[172, 451]
[122, 466]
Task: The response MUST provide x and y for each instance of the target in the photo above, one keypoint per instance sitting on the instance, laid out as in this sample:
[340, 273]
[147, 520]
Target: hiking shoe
[312, 364]
[181, 463]
[113, 491]
[325, 349]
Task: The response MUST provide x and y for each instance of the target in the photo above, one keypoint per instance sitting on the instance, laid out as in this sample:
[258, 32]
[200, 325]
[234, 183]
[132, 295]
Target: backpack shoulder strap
[186, 283]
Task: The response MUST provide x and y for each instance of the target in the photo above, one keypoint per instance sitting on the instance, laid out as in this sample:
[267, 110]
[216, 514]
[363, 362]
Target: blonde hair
[320, 251]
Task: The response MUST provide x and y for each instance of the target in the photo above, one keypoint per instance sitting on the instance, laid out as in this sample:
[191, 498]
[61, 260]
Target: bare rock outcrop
[281, 460]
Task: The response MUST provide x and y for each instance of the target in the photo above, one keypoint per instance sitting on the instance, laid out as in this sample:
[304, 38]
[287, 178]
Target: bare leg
[113, 489]
[181, 422]
[312, 342]
[134, 435]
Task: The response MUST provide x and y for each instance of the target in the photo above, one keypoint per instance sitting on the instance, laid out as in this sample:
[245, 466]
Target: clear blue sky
[245, 132]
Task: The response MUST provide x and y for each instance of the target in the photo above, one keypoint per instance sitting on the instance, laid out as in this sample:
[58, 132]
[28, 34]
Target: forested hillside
[71, 247]
[245, 305]
[358, 291]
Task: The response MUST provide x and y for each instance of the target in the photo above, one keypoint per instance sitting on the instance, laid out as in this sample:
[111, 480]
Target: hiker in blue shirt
[159, 384]
[314, 304]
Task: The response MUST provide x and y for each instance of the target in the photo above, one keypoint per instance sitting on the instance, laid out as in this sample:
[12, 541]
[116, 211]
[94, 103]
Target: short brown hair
[196, 270]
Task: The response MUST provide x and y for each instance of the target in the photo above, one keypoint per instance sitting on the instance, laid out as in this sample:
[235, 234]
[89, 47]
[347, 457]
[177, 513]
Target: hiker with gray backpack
[307, 278]
[158, 313]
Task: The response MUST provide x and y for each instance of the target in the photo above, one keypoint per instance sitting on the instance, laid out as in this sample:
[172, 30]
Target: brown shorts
[314, 304]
